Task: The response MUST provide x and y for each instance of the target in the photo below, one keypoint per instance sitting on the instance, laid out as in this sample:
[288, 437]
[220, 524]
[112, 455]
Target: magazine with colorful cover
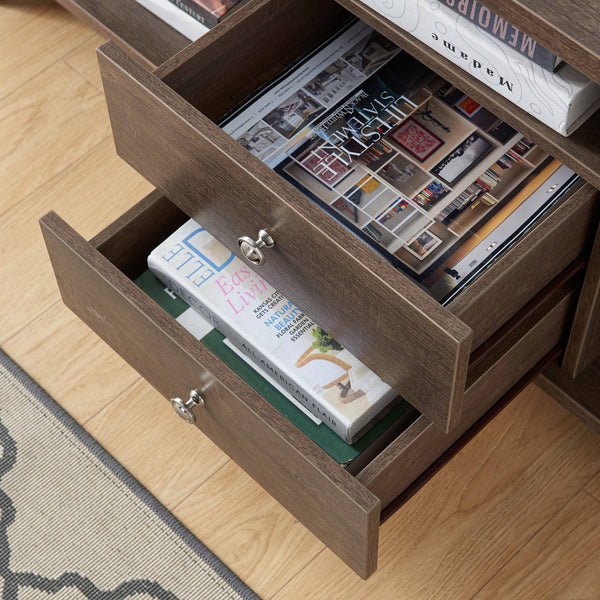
[408, 162]
[272, 331]
[208, 12]
[353, 457]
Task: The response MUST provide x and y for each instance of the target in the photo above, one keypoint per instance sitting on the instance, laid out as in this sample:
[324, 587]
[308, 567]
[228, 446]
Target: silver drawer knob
[184, 409]
[252, 250]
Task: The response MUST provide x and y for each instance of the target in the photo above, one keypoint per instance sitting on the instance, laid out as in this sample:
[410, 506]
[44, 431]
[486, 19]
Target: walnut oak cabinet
[453, 363]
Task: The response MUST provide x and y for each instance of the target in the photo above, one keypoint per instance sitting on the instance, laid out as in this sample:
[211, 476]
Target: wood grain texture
[580, 151]
[92, 192]
[56, 99]
[241, 423]
[593, 487]
[450, 538]
[234, 517]
[414, 344]
[130, 25]
[58, 349]
[568, 28]
[530, 264]
[33, 36]
[584, 341]
[413, 451]
[581, 396]
[560, 561]
[173, 459]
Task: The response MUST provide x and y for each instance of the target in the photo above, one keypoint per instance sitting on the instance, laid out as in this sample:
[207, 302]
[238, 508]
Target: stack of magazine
[430, 178]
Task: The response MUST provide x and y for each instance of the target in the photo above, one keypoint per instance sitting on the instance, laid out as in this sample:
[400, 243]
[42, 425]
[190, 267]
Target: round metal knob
[184, 409]
[252, 249]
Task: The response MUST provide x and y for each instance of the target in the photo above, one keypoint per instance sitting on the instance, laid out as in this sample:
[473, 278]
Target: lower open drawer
[343, 509]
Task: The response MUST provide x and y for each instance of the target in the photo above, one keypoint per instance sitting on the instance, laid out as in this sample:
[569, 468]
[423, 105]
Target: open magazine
[435, 182]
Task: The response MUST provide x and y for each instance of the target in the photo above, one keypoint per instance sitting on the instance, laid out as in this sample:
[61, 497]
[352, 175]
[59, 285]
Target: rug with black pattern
[75, 525]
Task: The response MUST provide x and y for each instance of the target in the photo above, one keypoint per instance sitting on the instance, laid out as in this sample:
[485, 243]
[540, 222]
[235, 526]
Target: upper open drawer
[164, 126]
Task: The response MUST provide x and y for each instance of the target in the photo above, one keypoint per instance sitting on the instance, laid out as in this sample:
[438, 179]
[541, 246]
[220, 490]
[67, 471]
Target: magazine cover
[408, 162]
[272, 331]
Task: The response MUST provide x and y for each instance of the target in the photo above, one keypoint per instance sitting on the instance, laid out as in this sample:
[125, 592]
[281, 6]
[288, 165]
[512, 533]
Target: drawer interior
[128, 241]
[417, 346]
[95, 280]
[190, 75]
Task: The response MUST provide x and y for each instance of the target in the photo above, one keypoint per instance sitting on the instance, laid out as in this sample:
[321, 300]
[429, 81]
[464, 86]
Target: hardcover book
[352, 457]
[175, 17]
[502, 30]
[561, 100]
[274, 333]
[208, 12]
[420, 171]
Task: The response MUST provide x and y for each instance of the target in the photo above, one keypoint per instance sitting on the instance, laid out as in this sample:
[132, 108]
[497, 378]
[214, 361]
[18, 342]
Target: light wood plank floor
[515, 515]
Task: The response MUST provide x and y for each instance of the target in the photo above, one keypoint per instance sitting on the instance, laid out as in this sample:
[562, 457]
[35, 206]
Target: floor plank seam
[86, 421]
[13, 335]
[596, 474]
[296, 574]
[56, 175]
[45, 68]
[187, 496]
[591, 495]
[522, 546]
[73, 68]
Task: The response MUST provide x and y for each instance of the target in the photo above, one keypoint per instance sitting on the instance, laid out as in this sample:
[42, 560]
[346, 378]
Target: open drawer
[343, 509]
[164, 126]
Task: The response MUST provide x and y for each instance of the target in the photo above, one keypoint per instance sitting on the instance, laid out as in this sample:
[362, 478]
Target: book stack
[272, 332]
[468, 196]
[351, 456]
[428, 196]
[500, 56]
[493, 175]
[398, 207]
[208, 12]
[192, 18]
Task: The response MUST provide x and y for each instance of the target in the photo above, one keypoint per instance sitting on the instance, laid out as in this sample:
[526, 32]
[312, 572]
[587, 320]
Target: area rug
[75, 525]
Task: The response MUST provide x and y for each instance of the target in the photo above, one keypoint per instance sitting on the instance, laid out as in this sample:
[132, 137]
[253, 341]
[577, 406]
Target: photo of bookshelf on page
[431, 179]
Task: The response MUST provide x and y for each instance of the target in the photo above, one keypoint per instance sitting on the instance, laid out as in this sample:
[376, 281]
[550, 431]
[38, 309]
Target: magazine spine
[182, 288]
[502, 30]
[198, 12]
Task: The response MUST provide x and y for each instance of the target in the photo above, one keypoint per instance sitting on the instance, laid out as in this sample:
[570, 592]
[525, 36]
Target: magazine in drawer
[164, 125]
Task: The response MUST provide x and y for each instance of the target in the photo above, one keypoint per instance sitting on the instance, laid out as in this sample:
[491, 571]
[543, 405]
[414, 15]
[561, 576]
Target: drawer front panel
[296, 472]
[399, 331]
[420, 445]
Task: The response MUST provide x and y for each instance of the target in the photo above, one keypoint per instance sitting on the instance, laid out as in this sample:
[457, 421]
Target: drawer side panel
[320, 493]
[584, 341]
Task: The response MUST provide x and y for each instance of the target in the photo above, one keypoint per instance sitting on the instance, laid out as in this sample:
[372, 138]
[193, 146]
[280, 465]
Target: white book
[562, 100]
[323, 376]
[178, 19]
